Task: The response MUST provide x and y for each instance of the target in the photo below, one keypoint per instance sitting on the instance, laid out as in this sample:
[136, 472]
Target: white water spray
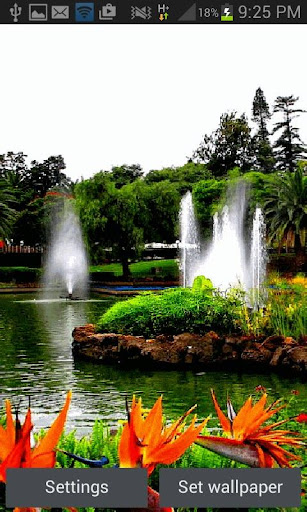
[234, 257]
[258, 257]
[225, 263]
[66, 267]
[189, 240]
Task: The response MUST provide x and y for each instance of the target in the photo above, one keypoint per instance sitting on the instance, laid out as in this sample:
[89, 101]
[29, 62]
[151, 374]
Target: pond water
[36, 361]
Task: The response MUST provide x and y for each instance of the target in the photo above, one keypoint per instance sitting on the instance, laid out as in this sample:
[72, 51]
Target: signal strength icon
[190, 14]
[84, 12]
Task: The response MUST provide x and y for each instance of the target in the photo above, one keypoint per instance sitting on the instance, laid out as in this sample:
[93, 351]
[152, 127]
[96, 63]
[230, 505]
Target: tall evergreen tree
[289, 148]
[262, 149]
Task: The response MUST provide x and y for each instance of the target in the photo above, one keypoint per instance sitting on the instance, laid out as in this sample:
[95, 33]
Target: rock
[81, 333]
[165, 338]
[297, 357]
[191, 350]
[229, 353]
[256, 355]
[272, 342]
[277, 356]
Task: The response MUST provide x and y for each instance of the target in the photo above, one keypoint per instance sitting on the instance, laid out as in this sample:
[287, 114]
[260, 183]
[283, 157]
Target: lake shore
[209, 351]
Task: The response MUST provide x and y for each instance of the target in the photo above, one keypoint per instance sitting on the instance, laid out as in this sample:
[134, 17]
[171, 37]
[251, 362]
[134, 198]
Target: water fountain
[258, 257]
[66, 268]
[225, 261]
[189, 240]
[234, 257]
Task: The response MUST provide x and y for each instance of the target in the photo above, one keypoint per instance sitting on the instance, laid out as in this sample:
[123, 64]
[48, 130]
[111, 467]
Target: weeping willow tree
[286, 211]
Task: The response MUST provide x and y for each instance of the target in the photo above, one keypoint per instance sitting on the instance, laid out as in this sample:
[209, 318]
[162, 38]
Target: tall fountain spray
[66, 269]
[189, 240]
[258, 257]
[235, 256]
[225, 262]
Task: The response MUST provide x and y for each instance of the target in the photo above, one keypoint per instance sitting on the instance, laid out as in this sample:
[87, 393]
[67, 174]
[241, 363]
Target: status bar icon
[15, 11]
[227, 12]
[189, 14]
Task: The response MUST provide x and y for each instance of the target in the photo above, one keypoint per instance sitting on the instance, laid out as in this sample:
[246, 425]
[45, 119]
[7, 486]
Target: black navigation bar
[208, 12]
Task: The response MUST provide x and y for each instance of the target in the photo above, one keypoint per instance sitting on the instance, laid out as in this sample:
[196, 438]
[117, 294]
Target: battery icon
[227, 12]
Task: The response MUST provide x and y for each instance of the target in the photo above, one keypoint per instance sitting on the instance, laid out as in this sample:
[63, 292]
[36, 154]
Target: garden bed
[194, 351]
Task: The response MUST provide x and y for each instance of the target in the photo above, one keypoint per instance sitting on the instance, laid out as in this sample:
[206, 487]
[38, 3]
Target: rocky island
[187, 350]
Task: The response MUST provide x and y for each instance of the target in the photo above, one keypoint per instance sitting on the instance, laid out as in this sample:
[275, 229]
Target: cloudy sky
[107, 95]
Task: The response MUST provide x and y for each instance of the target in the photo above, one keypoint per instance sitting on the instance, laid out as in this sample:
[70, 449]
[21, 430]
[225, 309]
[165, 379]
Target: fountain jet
[225, 263]
[234, 257]
[189, 240]
[66, 269]
[258, 257]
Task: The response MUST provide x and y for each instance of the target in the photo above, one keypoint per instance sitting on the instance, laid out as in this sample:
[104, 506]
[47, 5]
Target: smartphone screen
[153, 222]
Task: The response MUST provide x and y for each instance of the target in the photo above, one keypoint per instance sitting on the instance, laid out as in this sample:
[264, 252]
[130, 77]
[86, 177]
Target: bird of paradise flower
[248, 441]
[15, 448]
[146, 442]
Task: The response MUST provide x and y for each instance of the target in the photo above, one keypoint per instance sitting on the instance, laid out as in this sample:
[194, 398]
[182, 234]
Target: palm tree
[286, 211]
[7, 211]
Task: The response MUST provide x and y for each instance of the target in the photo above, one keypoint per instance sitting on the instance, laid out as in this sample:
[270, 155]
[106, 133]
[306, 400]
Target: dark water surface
[36, 360]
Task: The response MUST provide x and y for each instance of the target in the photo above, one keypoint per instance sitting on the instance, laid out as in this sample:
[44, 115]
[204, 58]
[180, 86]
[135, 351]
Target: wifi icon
[84, 12]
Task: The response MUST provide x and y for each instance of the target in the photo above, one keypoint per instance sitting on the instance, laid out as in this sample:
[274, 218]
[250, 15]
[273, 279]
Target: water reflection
[36, 360]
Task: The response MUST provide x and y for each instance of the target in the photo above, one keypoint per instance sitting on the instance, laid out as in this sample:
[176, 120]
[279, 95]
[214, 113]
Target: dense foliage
[123, 209]
[173, 311]
[286, 210]
[126, 218]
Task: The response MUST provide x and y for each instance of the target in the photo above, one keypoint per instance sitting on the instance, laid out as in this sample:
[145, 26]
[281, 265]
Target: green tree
[184, 177]
[261, 146]
[7, 210]
[259, 183]
[206, 197]
[289, 148]
[125, 218]
[13, 167]
[14, 170]
[127, 226]
[111, 217]
[31, 223]
[95, 197]
[286, 211]
[125, 174]
[162, 204]
[228, 147]
[47, 175]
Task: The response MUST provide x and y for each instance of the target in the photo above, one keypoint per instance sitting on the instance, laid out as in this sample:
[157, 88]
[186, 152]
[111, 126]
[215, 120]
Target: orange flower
[249, 442]
[146, 442]
[15, 449]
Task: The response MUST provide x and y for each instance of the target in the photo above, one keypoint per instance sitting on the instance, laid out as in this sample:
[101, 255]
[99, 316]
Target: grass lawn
[142, 268]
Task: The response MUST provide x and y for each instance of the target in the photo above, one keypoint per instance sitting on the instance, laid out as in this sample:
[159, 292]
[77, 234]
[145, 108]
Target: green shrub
[202, 283]
[172, 311]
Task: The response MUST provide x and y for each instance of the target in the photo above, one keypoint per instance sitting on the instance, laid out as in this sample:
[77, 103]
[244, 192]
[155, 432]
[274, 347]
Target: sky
[108, 95]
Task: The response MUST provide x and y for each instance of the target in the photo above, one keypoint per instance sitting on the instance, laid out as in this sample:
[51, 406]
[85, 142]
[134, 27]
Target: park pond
[36, 360]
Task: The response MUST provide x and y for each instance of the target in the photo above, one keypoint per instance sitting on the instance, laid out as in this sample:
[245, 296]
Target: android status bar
[18, 12]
